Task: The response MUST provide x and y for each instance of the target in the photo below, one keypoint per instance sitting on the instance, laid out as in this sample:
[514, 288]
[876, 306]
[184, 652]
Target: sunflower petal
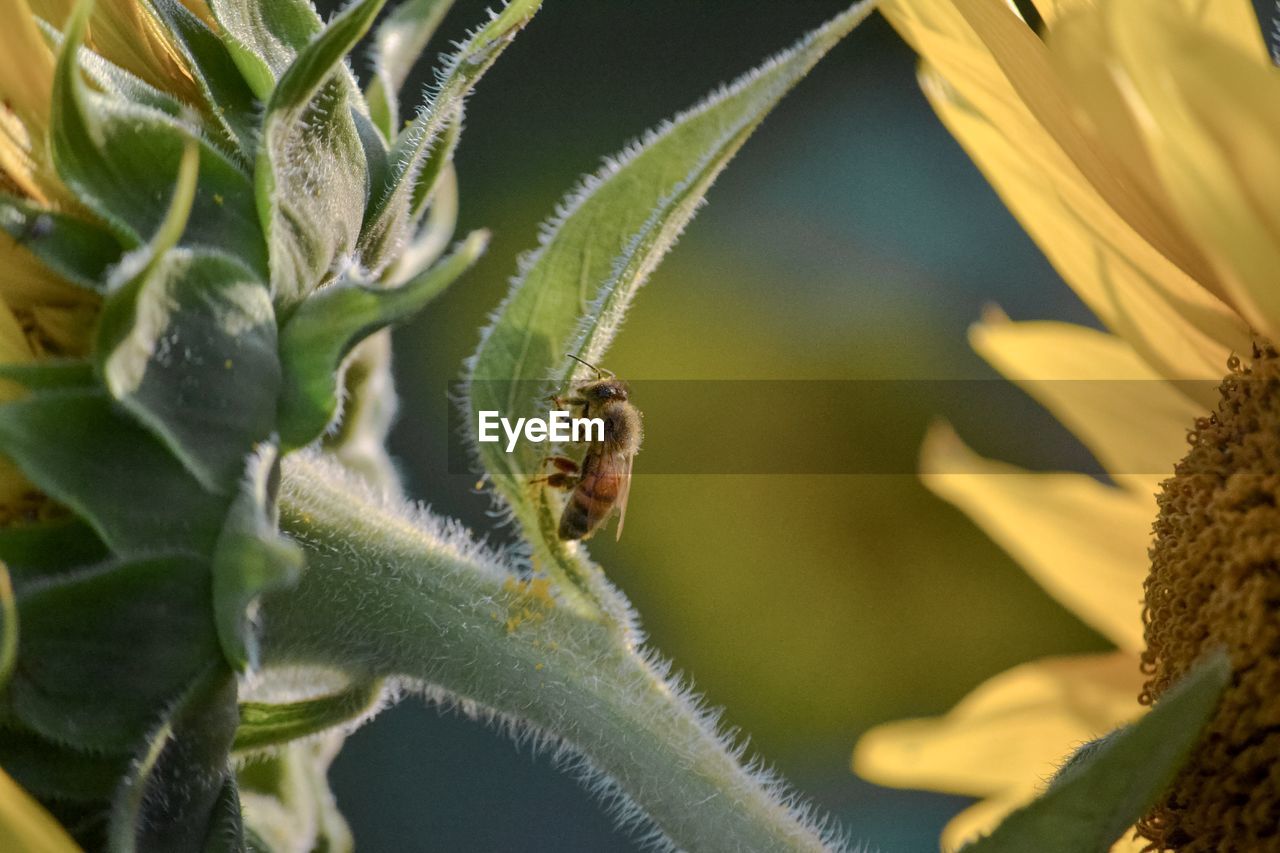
[26, 80]
[26, 64]
[1206, 110]
[1115, 253]
[1234, 21]
[982, 817]
[1181, 329]
[1011, 733]
[13, 346]
[1084, 542]
[26, 826]
[1002, 62]
[31, 290]
[128, 34]
[1093, 383]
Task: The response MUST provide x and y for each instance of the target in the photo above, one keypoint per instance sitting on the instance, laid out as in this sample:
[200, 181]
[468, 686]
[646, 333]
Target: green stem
[393, 592]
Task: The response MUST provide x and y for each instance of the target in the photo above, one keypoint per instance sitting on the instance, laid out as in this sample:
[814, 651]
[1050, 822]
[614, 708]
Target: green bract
[1110, 783]
[234, 282]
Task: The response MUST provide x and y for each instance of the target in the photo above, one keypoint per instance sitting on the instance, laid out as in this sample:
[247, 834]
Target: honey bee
[602, 483]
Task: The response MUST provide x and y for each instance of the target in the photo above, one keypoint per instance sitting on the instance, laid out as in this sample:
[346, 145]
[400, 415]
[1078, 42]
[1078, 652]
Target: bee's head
[604, 390]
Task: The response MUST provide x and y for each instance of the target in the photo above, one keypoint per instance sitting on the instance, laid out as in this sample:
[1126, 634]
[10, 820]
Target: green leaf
[390, 218]
[187, 343]
[311, 175]
[120, 158]
[50, 375]
[226, 831]
[52, 771]
[263, 38]
[434, 169]
[228, 99]
[318, 61]
[435, 229]
[34, 551]
[375, 149]
[267, 724]
[433, 189]
[358, 439]
[105, 649]
[571, 294]
[397, 44]
[287, 801]
[110, 78]
[190, 349]
[251, 558]
[78, 450]
[180, 794]
[78, 250]
[1100, 794]
[325, 327]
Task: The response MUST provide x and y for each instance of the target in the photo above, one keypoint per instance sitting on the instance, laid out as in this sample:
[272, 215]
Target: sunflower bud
[199, 222]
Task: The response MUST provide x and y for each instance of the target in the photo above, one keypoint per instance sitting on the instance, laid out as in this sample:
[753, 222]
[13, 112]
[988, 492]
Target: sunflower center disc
[1215, 581]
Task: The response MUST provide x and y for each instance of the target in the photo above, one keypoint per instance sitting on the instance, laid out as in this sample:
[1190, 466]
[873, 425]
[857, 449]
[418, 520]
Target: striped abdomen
[601, 481]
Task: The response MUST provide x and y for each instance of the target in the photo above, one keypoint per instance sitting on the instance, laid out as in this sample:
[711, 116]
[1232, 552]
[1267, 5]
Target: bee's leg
[566, 477]
[561, 480]
[562, 402]
[558, 480]
[563, 463]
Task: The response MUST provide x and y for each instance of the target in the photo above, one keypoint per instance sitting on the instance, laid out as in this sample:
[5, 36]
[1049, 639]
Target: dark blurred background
[851, 239]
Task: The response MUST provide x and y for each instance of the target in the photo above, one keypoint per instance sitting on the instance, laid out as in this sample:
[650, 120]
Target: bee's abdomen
[575, 522]
[589, 504]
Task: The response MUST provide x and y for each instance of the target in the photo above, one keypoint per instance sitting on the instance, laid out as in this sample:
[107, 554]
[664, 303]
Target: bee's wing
[623, 493]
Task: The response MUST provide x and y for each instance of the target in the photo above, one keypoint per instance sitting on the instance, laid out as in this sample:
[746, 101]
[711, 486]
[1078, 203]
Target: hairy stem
[392, 592]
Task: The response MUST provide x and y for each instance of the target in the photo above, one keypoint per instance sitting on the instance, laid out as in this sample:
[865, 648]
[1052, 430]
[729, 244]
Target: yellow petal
[1101, 247]
[1207, 113]
[48, 311]
[128, 34]
[1079, 50]
[1094, 383]
[19, 171]
[26, 84]
[1084, 542]
[999, 64]
[67, 331]
[982, 817]
[14, 348]
[1233, 21]
[1011, 733]
[1129, 843]
[25, 282]
[25, 826]
[201, 10]
[26, 64]
[1182, 330]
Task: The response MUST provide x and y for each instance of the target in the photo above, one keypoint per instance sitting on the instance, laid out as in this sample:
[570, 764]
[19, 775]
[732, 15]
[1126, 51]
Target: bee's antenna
[599, 371]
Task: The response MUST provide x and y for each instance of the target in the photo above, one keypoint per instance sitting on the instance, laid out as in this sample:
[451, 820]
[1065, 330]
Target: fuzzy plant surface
[210, 574]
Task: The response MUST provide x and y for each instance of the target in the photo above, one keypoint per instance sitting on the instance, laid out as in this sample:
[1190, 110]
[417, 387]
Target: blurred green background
[851, 239]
